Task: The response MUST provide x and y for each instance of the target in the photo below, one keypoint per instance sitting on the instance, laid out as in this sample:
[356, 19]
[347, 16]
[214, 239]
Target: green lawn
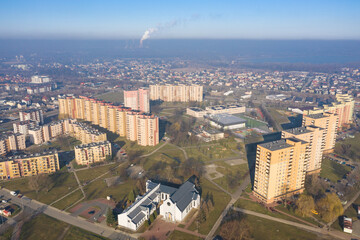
[237, 171]
[43, 227]
[221, 199]
[353, 152]
[7, 234]
[260, 227]
[114, 97]
[178, 235]
[278, 116]
[256, 207]
[99, 189]
[333, 170]
[91, 173]
[64, 182]
[69, 200]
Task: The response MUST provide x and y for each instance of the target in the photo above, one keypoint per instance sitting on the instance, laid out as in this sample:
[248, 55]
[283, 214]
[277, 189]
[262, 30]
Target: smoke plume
[165, 26]
[147, 34]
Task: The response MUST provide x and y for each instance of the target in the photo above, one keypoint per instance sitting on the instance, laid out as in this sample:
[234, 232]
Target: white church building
[175, 204]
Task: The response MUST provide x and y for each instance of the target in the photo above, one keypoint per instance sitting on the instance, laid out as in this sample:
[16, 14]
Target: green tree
[110, 217]
[304, 205]
[330, 207]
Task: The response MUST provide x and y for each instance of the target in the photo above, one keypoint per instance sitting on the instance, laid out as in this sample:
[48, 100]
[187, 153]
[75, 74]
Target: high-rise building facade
[34, 115]
[280, 169]
[117, 119]
[343, 107]
[176, 93]
[29, 165]
[137, 100]
[93, 152]
[12, 142]
[316, 139]
[328, 122]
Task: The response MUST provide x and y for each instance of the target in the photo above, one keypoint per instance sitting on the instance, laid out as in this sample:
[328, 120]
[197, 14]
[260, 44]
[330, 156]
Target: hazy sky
[116, 19]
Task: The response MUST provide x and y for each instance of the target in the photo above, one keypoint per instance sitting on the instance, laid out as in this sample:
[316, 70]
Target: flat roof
[298, 130]
[316, 116]
[225, 119]
[275, 145]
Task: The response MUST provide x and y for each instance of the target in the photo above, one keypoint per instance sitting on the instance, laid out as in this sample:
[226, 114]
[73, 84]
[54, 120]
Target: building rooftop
[196, 109]
[94, 144]
[25, 156]
[298, 130]
[225, 119]
[316, 116]
[275, 145]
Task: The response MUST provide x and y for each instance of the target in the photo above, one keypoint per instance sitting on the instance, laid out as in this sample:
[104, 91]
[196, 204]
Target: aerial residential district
[144, 150]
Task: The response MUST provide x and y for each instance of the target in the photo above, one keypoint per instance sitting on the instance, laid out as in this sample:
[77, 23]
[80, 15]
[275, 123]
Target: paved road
[66, 217]
[335, 234]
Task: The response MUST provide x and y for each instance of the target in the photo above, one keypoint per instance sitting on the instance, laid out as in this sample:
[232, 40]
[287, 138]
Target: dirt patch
[113, 181]
[159, 229]
[235, 162]
[211, 172]
[135, 171]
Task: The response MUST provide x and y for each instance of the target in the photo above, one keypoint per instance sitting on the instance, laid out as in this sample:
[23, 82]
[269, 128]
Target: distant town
[161, 149]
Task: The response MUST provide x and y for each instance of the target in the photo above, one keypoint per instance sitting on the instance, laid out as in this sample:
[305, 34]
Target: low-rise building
[86, 154]
[225, 121]
[176, 204]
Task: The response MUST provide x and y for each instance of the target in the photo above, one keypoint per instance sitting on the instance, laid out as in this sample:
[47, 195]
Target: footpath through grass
[64, 182]
[43, 227]
[221, 199]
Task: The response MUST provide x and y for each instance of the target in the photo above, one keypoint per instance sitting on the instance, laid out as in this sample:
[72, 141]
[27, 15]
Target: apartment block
[343, 107]
[34, 115]
[23, 126]
[93, 152]
[86, 134]
[176, 93]
[117, 119]
[316, 139]
[328, 122]
[29, 165]
[137, 100]
[147, 130]
[280, 169]
[12, 142]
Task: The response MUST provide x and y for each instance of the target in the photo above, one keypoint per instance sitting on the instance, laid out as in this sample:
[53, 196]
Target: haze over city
[231, 120]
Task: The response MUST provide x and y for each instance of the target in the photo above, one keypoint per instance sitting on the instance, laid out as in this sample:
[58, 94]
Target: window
[168, 203]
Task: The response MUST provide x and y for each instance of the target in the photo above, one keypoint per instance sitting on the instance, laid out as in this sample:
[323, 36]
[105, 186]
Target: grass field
[177, 235]
[69, 200]
[256, 207]
[91, 173]
[114, 97]
[278, 116]
[7, 234]
[221, 199]
[99, 189]
[332, 170]
[64, 182]
[354, 151]
[228, 170]
[207, 153]
[43, 227]
[260, 227]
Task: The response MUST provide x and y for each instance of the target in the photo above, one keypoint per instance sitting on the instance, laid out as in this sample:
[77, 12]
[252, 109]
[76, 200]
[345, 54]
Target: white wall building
[177, 203]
